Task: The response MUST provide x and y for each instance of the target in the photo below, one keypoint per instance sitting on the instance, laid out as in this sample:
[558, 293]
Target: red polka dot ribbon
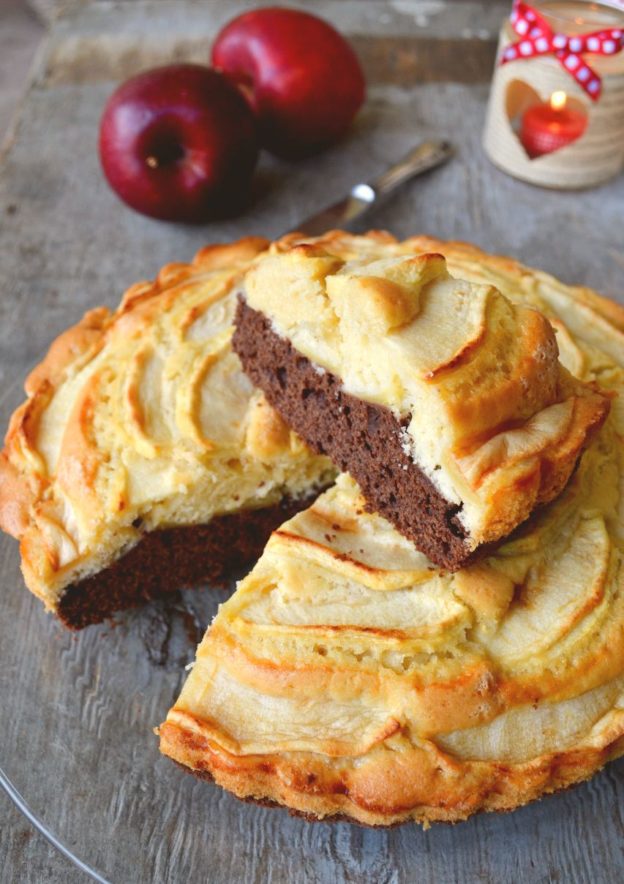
[538, 38]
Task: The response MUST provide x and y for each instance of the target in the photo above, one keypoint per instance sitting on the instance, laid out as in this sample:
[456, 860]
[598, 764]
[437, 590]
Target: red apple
[300, 76]
[179, 143]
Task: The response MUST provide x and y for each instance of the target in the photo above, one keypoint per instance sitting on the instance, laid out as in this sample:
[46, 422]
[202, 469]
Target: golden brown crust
[142, 417]
[16, 498]
[347, 678]
[85, 336]
[417, 785]
[16, 492]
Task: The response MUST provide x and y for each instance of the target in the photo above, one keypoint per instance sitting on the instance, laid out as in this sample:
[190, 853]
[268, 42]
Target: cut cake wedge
[442, 397]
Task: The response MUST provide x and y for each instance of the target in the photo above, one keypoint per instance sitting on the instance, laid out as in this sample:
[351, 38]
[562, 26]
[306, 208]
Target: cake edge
[167, 560]
[494, 787]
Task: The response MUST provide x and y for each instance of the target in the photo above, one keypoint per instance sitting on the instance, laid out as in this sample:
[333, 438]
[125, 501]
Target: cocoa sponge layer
[361, 438]
[167, 560]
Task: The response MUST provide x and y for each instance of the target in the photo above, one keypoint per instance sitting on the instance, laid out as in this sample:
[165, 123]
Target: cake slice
[444, 399]
[143, 460]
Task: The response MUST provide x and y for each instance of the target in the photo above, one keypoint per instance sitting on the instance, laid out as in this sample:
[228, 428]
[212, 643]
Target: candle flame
[558, 100]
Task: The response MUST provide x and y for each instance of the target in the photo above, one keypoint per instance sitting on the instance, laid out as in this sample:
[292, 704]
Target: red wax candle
[549, 126]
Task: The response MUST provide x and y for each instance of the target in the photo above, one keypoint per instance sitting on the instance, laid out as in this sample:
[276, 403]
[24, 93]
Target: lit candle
[550, 125]
[591, 130]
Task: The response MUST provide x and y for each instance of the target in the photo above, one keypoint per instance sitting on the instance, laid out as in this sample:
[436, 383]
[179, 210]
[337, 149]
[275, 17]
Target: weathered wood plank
[77, 711]
[399, 42]
[20, 34]
[26, 856]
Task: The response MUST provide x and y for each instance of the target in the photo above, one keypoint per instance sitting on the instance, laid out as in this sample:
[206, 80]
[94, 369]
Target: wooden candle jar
[543, 124]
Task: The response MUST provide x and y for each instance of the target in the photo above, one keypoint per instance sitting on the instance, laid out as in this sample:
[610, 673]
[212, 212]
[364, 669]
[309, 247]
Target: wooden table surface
[68, 244]
[26, 855]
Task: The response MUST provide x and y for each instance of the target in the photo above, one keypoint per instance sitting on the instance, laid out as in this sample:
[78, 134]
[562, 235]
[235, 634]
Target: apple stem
[166, 153]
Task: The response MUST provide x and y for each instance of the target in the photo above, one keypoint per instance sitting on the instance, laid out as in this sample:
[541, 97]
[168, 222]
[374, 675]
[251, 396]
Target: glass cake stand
[81, 762]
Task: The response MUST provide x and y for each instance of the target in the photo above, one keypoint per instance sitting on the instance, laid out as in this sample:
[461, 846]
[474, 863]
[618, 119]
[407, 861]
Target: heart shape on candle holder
[542, 125]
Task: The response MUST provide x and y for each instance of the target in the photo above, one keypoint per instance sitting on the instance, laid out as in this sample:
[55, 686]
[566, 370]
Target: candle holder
[556, 110]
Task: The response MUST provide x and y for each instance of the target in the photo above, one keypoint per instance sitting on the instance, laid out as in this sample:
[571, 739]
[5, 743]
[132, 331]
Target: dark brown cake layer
[168, 560]
[361, 438]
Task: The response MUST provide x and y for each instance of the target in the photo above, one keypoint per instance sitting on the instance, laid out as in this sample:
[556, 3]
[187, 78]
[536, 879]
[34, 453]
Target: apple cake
[441, 396]
[143, 459]
[348, 677]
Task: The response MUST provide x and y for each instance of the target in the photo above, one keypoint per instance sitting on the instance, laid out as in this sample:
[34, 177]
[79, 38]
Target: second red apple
[300, 76]
[179, 143]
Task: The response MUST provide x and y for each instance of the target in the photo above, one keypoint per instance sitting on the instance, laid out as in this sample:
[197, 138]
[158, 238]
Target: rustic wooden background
[76, 712]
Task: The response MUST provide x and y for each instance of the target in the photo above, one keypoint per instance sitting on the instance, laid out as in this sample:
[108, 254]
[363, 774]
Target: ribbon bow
[538, 38]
